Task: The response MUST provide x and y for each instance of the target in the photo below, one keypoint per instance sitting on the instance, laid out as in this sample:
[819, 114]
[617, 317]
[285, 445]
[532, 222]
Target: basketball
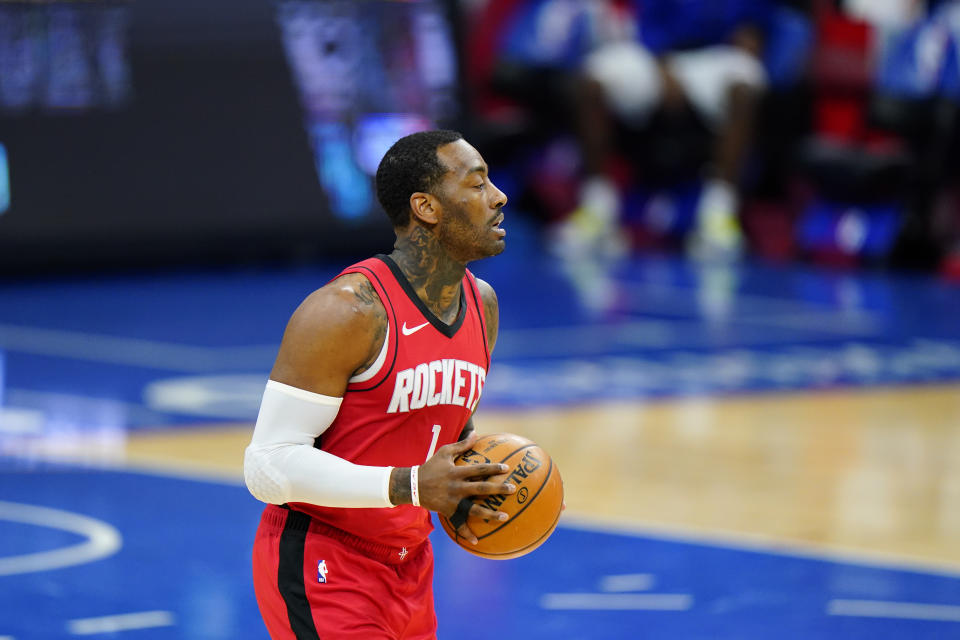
[534, 509]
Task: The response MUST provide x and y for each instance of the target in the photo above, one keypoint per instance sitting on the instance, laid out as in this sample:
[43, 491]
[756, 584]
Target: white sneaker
[593, 227]
[717, 236]
[587, 234]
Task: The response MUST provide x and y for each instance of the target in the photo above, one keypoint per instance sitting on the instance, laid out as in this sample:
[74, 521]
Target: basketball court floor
[748, 452]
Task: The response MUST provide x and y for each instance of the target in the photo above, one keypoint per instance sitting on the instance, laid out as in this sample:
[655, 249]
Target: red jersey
[420, 398]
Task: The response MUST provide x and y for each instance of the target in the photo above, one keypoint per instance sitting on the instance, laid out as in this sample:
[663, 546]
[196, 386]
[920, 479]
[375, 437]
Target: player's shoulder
[348, 303]
[491, 311]
[487, 294]
[336, 331]
[485, 289]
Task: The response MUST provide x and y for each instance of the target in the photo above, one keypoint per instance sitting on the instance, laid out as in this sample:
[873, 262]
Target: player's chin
[488, 247]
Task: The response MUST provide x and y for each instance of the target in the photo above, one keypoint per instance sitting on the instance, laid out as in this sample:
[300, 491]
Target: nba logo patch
[322, 571]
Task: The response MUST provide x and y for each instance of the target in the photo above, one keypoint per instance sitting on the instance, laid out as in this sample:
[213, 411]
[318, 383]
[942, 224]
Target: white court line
[683, 299]
[899, 610]
[102, 539]
[132, 351]
[43, 401]
[627, 582]
[20, 421]
[617, 601]
[6, 638]
[121, 622]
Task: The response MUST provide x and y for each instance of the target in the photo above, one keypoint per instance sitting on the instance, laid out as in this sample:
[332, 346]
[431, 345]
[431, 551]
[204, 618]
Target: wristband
[415, 486]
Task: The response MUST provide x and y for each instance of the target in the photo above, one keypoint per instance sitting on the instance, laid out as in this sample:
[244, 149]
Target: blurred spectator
[608, 69]
[698, 55]
[920, 63]
[883, 151]
[665, 119]
[707, 62]
[946, 219]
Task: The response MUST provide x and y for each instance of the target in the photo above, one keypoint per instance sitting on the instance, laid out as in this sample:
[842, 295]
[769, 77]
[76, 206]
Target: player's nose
[499, 199]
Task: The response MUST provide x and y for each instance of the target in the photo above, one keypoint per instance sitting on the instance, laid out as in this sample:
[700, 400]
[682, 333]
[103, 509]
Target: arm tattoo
[400, 486]
[367, 296]
[365, 293]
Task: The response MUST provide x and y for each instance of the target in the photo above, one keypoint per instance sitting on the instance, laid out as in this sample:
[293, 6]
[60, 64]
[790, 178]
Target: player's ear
[425, 207]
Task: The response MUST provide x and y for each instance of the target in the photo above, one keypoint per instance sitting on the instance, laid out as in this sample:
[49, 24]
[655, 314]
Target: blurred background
[142, 134]
[729, 302]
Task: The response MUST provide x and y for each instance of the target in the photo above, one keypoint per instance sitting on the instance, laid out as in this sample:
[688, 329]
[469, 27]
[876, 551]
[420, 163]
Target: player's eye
[479, 186]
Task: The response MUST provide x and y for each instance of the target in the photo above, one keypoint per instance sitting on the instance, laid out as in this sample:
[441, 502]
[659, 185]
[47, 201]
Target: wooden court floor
[873, 472]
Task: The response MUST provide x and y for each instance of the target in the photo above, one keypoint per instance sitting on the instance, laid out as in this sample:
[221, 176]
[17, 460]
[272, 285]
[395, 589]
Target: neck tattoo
[431, 272]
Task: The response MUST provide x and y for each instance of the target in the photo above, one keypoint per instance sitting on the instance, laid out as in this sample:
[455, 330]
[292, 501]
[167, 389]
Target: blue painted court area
[184, 551]
[182, 567]
[570, 333]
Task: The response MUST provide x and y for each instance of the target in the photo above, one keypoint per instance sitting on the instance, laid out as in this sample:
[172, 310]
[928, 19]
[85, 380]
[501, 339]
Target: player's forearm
[300, 473]
[281, 464]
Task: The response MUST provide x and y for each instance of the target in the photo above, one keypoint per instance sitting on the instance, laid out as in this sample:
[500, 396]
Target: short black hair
[409, 166]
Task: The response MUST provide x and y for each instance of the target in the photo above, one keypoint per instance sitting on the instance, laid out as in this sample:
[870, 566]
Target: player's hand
[443, 484]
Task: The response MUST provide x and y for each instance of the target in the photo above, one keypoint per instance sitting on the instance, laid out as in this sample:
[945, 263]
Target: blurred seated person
[703, 57]
[915, 103]
[920, 63]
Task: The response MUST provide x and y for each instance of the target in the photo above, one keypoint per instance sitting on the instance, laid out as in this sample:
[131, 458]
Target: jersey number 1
[433, 443]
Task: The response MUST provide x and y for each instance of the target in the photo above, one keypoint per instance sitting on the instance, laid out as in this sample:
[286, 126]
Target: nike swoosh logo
[408, 331]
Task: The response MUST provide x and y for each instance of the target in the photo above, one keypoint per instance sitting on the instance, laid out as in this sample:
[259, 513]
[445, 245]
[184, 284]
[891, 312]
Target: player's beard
[464, 240]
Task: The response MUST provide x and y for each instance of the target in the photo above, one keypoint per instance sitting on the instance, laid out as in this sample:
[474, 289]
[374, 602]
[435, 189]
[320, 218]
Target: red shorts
[314, 581]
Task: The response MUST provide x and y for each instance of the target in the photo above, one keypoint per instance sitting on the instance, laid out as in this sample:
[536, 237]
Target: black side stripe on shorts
[290, 575]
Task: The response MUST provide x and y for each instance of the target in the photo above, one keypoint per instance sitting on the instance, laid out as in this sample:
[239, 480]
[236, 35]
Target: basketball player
[369, 402]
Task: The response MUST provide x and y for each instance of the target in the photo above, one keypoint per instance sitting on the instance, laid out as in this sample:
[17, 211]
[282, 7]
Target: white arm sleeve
[281, 464]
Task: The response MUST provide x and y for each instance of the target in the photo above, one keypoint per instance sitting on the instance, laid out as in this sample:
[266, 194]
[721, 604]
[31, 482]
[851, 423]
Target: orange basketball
[534, 509]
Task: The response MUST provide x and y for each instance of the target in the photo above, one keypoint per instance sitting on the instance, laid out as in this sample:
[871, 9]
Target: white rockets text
[446, 381]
